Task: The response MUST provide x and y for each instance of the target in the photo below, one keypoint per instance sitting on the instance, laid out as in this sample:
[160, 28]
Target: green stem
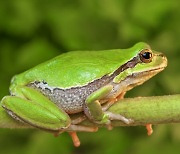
[154, 110]
[143, 110]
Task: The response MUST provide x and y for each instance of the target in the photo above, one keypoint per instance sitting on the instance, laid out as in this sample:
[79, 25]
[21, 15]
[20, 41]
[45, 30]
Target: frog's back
[78, 68]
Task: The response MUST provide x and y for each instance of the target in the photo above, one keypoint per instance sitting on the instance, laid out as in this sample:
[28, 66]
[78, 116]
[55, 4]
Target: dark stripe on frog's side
[71, 100]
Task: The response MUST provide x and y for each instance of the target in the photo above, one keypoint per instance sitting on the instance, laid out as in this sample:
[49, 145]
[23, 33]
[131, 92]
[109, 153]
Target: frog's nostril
[162, 55]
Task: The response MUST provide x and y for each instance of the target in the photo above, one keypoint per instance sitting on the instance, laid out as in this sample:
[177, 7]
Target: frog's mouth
[140, 77]
[132, 81]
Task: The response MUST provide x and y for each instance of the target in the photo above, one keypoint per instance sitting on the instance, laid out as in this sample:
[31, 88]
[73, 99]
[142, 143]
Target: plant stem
[143, 110]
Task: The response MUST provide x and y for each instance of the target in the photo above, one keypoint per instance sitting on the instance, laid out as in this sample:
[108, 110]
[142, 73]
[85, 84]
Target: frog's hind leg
[33, 108]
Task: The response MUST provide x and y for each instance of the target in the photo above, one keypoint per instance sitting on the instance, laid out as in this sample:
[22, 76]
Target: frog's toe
[149, 129]
[75, 139]
[113, 116]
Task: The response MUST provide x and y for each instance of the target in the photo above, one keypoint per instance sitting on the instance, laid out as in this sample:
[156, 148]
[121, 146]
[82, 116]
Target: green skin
[77, 69]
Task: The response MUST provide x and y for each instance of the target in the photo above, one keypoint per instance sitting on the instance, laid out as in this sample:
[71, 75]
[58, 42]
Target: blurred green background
[32, 31]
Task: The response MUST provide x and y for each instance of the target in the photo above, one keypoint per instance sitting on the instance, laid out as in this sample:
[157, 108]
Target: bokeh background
[32, 31]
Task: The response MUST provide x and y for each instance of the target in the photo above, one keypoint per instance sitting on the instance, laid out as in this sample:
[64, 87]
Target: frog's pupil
[147, 55]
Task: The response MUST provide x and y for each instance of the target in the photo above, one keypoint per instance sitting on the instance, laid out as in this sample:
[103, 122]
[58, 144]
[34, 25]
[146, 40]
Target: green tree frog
[80, 81]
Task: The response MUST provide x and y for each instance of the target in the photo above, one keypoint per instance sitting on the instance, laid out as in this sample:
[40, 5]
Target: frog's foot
[149, 129]
[72, 132]
[75, 139]
[73, 135]
[113, 116]
[109, 116]
[72, 129]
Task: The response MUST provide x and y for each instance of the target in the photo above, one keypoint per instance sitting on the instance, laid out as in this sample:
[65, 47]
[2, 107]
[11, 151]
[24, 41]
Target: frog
[46, 95]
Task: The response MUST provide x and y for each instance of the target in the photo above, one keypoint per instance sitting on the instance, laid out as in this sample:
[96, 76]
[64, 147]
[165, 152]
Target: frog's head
[148, 62]
[145, 64]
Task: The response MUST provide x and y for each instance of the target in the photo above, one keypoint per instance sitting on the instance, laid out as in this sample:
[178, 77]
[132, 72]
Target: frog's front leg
[94, 111]
[30, 106]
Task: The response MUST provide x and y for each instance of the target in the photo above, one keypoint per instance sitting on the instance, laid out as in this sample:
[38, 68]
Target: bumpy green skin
[78, 68]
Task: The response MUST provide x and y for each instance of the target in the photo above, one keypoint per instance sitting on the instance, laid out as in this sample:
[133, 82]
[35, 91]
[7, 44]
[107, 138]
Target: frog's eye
[146, 56]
